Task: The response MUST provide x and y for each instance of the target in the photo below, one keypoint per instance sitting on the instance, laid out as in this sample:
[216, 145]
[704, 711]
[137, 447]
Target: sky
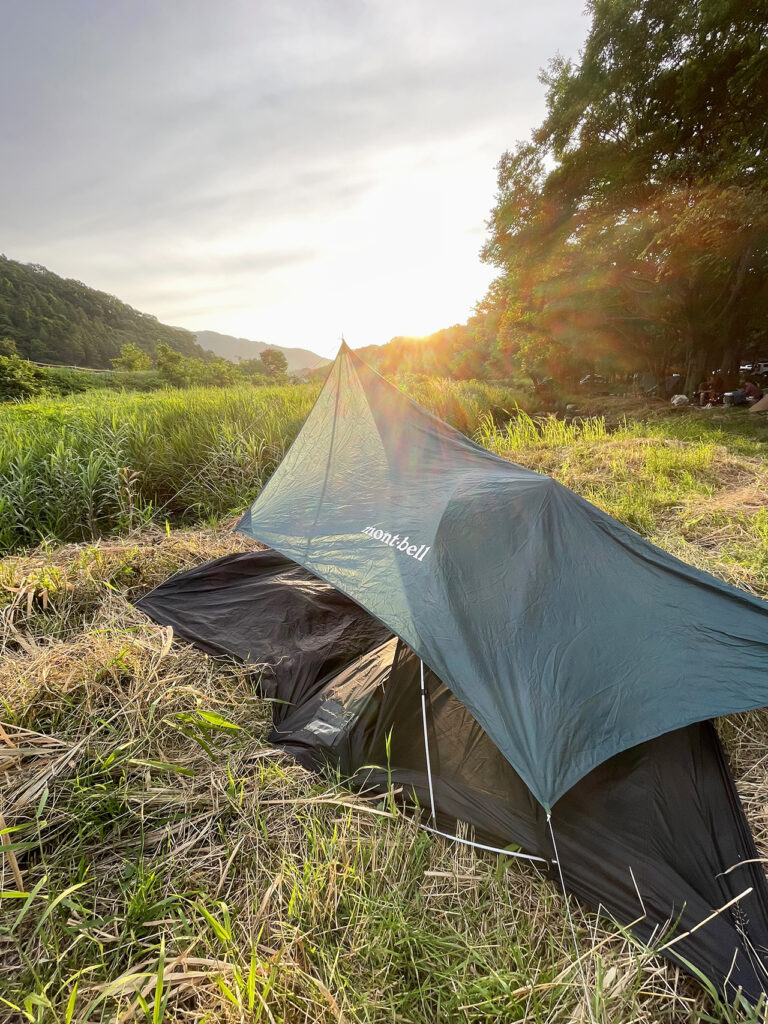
[282, 171]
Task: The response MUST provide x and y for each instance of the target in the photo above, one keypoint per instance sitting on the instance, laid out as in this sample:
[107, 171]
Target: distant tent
[761, 405]
[569, 663]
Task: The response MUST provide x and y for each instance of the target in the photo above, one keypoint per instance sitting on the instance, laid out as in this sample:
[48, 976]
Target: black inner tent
[655, 836]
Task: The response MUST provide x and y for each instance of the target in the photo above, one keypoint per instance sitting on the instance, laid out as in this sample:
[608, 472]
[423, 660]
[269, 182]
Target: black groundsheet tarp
[656, 832]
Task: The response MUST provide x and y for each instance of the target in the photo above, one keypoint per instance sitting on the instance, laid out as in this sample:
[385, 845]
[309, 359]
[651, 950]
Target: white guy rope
[482, 846]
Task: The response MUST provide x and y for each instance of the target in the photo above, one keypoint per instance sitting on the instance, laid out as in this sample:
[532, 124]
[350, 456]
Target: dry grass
[161, 862]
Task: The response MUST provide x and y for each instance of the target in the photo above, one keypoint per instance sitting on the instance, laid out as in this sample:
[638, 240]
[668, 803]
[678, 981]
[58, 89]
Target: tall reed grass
[80, 467]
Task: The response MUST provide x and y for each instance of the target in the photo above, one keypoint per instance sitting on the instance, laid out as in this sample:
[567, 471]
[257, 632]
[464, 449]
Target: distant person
[752, 391]
[703, 392]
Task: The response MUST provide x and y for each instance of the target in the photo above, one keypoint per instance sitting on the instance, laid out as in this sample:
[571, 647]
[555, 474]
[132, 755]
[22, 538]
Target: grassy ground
[91, 465]
[161, 862]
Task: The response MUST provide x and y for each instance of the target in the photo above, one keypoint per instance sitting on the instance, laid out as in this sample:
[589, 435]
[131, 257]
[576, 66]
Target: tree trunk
[729, 366]
[696, 369]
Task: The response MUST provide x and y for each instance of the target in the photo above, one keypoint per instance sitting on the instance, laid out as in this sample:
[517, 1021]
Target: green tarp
[568, 636]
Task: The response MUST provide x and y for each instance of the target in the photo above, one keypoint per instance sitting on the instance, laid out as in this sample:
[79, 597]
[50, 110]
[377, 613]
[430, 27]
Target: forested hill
[57, 320]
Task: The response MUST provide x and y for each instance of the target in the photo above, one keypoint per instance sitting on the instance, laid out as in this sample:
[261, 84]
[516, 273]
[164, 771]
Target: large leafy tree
[632, 229]
[275, 363]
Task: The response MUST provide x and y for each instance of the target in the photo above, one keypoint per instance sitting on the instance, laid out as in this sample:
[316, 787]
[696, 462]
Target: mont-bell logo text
[394, 540]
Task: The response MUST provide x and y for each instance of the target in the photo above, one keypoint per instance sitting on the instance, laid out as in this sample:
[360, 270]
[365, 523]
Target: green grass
[86, 466]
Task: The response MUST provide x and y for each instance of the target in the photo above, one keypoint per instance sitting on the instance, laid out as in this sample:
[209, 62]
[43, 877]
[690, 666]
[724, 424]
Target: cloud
[248, 150]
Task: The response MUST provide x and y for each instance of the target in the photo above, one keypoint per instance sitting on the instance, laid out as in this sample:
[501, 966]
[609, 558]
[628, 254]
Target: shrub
[20, 379]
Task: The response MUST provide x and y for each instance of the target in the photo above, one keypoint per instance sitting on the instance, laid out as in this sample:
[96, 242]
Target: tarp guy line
[570, 921]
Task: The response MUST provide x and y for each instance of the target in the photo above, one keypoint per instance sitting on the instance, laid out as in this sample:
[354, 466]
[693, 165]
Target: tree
[254, 369]
[633, 228]
[217, 372]
[274, 362]
[20, 379]
[181, 372]
[132, 358]
[171, 365]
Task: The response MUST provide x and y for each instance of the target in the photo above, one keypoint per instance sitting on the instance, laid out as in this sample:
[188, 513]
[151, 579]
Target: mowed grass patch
[161, 862]
[86, 466]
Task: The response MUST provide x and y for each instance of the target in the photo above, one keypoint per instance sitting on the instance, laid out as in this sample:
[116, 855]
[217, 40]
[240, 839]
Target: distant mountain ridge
[232, 348]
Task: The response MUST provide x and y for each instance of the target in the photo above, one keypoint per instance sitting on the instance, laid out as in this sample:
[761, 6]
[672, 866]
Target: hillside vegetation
[22, 380]
[163, 863]
[52, 319]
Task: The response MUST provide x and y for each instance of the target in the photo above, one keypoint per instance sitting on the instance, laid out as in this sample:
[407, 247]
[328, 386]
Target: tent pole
[436, 831]
[587, 998]
[426, 743]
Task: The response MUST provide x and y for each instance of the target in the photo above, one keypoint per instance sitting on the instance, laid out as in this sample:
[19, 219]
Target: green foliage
[274, 362]
[22, 379]
[62, 380]
[171, 365]
[54, 320]
[19, 379]
[180, 372]
[132, 358]
[271, 365]
[632, 230]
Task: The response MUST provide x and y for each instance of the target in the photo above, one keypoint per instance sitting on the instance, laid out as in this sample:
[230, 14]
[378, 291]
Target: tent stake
[570, 920]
